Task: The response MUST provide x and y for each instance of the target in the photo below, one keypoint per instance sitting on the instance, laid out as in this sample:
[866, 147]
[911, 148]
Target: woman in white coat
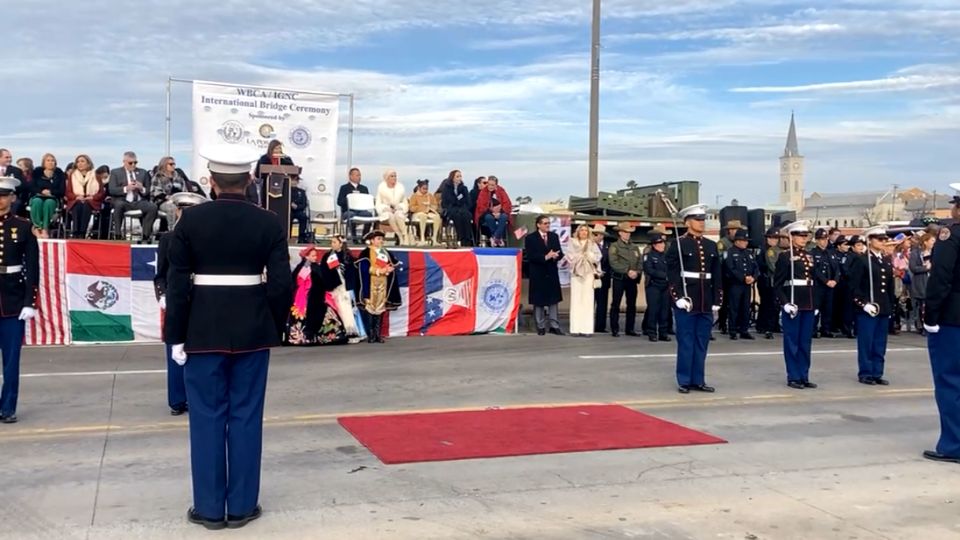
[584, 259]
[391, 202]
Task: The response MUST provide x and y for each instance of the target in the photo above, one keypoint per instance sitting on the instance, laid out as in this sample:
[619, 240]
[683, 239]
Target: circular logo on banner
[102, 295]
[231, 131]
[300, 137]
[495, 296]
[266, 131]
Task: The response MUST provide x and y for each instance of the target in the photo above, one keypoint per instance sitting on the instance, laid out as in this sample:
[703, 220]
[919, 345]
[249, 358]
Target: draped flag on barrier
[52, 325]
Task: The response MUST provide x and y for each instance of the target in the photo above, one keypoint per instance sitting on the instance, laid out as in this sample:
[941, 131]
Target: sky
[690, 89]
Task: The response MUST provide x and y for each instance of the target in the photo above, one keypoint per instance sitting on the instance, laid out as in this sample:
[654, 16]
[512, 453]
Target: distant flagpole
[593, 188]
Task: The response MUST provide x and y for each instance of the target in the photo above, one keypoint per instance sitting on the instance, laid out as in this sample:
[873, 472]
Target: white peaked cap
[8, 184]
[229, 159]
[695, 210]
[797, 227]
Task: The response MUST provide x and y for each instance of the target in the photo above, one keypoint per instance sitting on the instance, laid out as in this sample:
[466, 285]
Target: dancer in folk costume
[378, 284]
[335, 267]
[311, 321]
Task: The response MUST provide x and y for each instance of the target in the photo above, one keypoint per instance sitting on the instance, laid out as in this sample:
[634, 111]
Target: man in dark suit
[7, 168]
[601, 295]
[129, 189]
[353, 186]
[222, 318]
[543, 252]
[299, 210]
[176, 391]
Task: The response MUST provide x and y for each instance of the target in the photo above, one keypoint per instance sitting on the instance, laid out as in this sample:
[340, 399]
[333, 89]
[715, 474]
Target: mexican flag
[110, 292]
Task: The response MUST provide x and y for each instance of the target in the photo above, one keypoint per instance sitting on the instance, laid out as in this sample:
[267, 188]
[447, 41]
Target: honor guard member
[767, 314]
[825, 280]
[625, 268]
[842, 300]
[19, 275]
[693, 270]
[793, 281]
[601, 295]
[176, 391]
[873, 294]
[657, 315]
[741, 268]
[724, 245]
[222, 318]
[942, 322]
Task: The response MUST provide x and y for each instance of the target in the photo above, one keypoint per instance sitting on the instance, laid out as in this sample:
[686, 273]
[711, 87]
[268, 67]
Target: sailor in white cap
[793, 283]
[871, 276]
[942, 322]
[222, 318]
[19, 275]
[176, 392]
[693, 271]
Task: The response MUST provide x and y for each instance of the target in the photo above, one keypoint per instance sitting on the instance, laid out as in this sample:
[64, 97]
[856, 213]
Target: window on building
[784, 186]
[796, 185]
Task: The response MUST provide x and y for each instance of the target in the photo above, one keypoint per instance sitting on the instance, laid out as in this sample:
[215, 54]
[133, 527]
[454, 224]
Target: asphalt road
[96, 454]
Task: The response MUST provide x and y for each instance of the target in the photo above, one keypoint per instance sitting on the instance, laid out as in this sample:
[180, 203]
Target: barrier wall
[102, 292]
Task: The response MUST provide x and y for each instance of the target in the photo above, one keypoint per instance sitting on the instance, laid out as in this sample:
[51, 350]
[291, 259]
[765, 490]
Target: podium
[276, 181]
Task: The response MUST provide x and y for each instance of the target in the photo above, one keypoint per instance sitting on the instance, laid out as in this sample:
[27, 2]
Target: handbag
[597, 281]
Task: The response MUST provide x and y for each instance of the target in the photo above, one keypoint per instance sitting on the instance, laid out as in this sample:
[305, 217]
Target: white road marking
[91, 373]
[749, 353]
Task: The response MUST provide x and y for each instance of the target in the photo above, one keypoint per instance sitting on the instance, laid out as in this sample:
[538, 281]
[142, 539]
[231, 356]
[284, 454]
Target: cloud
[948, 77]
[494, 44]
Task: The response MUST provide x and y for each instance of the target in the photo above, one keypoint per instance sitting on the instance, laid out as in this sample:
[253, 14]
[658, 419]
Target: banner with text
[305, 123]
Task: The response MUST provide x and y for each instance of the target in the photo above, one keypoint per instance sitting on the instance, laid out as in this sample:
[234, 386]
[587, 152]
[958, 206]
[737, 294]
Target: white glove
[816, 312]
[931, 329]
[871, 310]
[715, 308]
[178, 354]
[27, 313]
[163, 302]
[683, 304]
[790, 309]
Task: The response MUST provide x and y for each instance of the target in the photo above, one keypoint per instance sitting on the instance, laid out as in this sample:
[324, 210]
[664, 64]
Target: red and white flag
[52, 324]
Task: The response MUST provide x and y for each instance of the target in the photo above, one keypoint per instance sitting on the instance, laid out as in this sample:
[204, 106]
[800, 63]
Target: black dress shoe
[11, 419]
[652, 338]
[665, 338]
[816, 335]
[849, 335]
[541, 332]
[828, 334]
[768, 335]
[615, 333]
[867, 381]
[881, 381]
[747, 335]
[177, 411]
[703, 388]
[235, 522]
[712, 337]
[808, 384]
[557, 332]
[210, 524]
[937, 456]
[671, 332]
[684, 389]
[795, 384]
[632, 334]
[733, 337]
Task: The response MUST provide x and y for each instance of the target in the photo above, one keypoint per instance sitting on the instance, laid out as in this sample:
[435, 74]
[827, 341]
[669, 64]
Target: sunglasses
[132, 162]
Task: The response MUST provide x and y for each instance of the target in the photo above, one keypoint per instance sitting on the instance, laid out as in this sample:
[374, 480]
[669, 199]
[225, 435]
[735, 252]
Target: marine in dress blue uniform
[942, 322]
[222, 318]
[693, 270]
[176, 391]
[875, 306]
[740, 267]
[825, 281]
[19, 275]
[793, 281]
[657, 316]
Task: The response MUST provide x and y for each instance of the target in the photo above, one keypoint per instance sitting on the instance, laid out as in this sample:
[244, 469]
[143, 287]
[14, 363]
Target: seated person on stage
[299, 210]
[311, 320]
[85, 194]
[455, 200]
[47, 187]
[257, 190]
[129, 187]
[391, 204]
[425, 210]
[167, 180]
[353, 186]
[495, 221]
[492, 190]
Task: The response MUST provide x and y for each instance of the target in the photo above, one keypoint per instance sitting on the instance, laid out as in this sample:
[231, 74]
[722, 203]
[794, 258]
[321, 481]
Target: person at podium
[257, 190]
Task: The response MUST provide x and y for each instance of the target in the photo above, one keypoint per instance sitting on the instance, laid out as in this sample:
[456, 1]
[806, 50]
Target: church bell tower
[791, 172]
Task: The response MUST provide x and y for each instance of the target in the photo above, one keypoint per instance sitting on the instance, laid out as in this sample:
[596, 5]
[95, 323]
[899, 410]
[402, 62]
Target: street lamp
[594, 157]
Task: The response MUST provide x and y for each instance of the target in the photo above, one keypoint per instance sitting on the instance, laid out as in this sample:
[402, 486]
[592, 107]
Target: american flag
[52, 324]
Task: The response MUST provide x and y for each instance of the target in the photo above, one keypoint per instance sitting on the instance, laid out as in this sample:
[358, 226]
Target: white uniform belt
[227, 280]
[11, 269]
[697, 275]
[797, 283]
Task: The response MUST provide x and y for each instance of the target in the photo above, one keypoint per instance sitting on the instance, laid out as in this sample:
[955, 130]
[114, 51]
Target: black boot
[378, 323]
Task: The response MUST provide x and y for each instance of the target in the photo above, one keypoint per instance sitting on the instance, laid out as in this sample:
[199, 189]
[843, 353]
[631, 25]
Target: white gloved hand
[683, 304]
[816, 312]
[790, 309]
[178, 354]
[871, 310]
[163, 302]
[715, 308]
[27, 313]
[931, 329]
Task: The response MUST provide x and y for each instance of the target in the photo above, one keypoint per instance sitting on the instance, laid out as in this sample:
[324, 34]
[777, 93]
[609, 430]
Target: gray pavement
[96, 454]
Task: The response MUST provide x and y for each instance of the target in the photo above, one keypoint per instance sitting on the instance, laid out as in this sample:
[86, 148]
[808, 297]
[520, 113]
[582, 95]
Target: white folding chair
[362, 202]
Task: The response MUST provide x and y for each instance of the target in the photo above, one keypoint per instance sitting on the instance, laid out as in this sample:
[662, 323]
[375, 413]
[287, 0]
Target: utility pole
[893, 200]
[594, 157]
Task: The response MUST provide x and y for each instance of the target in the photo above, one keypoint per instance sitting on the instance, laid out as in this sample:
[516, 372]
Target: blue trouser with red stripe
[176, 390]
[693, 336]
[226, 394]
[945, 362]
[797, 344]
[11, 341]
[871, 345]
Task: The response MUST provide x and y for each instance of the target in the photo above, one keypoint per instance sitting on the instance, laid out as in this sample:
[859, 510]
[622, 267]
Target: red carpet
[408, 438]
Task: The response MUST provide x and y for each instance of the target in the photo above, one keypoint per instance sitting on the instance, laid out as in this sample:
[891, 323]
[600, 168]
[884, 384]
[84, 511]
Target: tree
[631, 184]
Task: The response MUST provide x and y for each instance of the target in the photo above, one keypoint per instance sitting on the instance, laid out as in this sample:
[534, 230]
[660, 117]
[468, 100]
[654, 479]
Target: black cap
[773, 232]
[856, 239]
[842, 240]
[741, 234]
[370, 235]
[656, 238]
[821, 233]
